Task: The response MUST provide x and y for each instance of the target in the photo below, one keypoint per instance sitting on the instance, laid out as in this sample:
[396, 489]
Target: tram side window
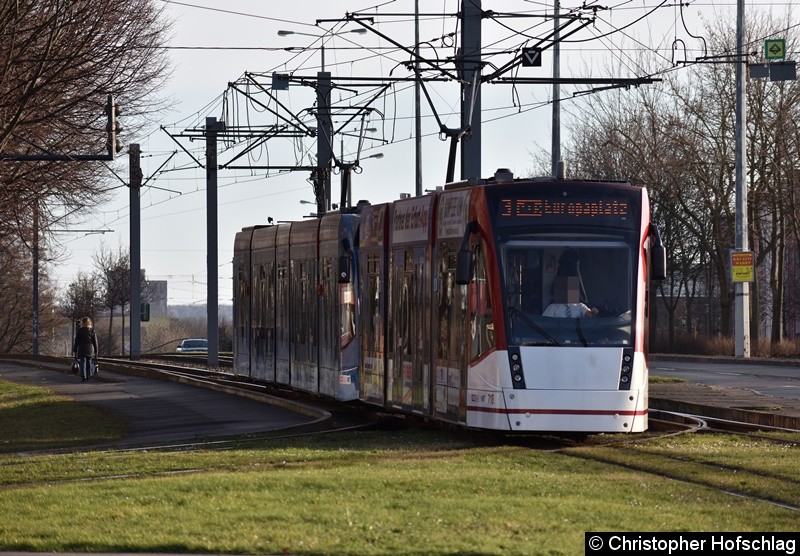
[404, 324]
[260, 302]
[348, 314]
[242, 316]
[480, 306]
[281, 322]
[327, 288]
[450, 307]
[373, 304]
[297, 289]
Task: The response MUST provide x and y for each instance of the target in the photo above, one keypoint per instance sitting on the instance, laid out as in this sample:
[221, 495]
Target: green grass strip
[33, 418]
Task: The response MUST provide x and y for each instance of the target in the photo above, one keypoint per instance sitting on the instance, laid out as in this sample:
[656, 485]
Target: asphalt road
[781, 381]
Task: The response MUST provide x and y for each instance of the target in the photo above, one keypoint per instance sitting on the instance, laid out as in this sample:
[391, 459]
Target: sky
[214, 43]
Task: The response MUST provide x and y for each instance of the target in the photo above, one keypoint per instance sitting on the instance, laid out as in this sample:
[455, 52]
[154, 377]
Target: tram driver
[566, 300]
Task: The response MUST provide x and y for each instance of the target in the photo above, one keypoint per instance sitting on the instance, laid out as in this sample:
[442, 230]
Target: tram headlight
[515, 366]
[626, 370]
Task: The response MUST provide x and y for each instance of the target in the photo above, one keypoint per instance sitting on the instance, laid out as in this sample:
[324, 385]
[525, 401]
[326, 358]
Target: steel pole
[556, 131]
[212, 303]
[742, 289]
[471, 88]
[135, 180]
[324, 142]
[417, 104]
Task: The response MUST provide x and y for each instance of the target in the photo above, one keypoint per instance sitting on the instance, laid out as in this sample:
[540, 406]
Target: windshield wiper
[578, 330]
[513, 311]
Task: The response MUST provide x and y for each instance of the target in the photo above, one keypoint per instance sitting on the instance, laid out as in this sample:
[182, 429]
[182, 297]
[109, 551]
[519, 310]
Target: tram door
[338, 344]
[409, 350]
[328, 315]
[282, 313]
[262, 341]
[241, 308]
[328, 310]
[373, 294]
[304, 282]
[450, 331]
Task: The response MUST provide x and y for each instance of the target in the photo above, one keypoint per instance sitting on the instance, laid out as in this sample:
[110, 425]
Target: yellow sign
[742, 266]
[775, 49]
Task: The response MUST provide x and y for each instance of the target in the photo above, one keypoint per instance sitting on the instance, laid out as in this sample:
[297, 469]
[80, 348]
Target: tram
[503, 304]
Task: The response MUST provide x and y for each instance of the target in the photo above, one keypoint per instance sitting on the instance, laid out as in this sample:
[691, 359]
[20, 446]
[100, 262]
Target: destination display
[617, 210]
[577, 208]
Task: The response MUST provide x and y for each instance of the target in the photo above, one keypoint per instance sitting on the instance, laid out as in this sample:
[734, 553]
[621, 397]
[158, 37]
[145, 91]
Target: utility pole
[135, 184]
[324, 142]
[471, 14]
[556, 145]
[417, 104]
[742, 289]
[212, 129]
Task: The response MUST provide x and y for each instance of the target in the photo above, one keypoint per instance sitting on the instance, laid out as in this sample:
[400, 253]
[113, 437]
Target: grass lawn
[375, 492]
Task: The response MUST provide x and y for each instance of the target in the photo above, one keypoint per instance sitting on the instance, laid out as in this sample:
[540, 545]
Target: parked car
[193, 345]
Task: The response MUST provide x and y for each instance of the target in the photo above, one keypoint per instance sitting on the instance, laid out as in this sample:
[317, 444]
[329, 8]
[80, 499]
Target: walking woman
[84, 348]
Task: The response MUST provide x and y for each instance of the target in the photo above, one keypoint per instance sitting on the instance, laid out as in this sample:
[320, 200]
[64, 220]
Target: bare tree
[82, 298]
[58, 62]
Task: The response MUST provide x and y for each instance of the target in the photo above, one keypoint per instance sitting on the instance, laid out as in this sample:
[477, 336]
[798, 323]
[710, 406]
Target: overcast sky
[215, 43]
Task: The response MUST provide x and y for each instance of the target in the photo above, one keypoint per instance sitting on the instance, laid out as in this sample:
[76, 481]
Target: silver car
[193, 345]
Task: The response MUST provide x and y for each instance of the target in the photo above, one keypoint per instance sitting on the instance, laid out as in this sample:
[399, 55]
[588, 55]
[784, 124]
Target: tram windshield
[569, 291]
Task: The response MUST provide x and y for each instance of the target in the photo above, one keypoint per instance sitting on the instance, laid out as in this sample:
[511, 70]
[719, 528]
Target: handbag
[76, 368]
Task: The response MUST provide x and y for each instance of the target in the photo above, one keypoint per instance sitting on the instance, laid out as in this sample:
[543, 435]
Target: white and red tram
[516, 305]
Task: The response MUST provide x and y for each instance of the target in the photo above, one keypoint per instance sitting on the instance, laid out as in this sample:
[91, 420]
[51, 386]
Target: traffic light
[113, 127]
[144, 312]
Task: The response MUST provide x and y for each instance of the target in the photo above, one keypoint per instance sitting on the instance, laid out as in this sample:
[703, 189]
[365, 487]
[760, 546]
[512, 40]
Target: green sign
[775, 49]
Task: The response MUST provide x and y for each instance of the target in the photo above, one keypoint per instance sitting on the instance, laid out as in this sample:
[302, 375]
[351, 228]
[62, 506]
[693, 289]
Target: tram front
[566, 269]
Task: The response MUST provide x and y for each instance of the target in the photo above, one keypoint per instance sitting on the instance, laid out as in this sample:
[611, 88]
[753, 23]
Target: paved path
[160, 411]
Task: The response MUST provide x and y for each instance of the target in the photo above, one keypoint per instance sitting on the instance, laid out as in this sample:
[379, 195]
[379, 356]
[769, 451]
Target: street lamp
[286, 33]
[347, 169]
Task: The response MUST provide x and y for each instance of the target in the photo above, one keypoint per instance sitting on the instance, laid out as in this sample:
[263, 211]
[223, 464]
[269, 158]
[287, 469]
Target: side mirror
[658, 262]
[463, 267]
[344, 269]
[658, 255]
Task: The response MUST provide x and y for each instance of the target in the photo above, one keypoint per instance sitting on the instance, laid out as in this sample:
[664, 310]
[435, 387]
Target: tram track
[705, 465]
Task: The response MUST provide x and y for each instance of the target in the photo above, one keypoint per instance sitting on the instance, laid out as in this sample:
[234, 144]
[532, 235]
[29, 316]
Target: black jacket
[85, 344]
